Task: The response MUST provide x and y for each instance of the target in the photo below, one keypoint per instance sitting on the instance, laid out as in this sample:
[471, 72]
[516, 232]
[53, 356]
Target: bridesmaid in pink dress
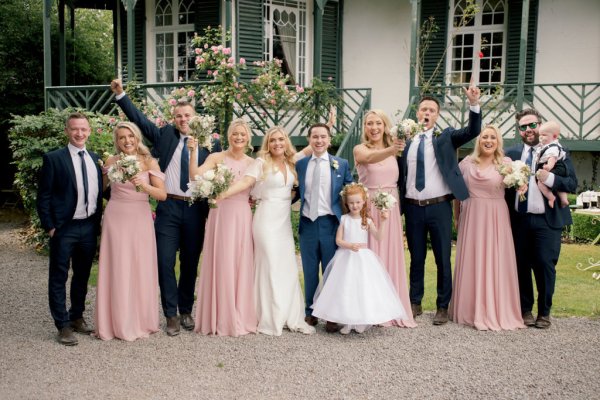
[127, 291]
[377, 168]
[486, 290]
[225, 289]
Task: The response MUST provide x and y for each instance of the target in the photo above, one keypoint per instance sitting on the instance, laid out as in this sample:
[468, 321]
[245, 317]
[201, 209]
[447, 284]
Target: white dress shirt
[435, 186]
[535, 199]
[324, 187]
[173, 172]
[92, 178]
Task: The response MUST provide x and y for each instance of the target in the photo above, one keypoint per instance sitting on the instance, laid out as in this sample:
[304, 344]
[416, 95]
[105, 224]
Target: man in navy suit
[537, 227]
[178, 225]
[69, 204]
[321, 178]
[431, 180]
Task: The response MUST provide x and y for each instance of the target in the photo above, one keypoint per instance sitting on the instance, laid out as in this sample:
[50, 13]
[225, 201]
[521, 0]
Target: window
[173, 29]
[285, 36]
[479, 47]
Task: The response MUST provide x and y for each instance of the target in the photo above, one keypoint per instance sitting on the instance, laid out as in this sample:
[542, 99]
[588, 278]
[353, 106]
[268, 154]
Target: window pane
[469, 39]
[484, 77]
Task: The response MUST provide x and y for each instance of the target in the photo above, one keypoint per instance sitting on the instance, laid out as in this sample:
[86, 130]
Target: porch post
[319, 9]
[228, 19]
[47, 50]
[62, 51]
[130, 8]
[414, 38]
[522, 55]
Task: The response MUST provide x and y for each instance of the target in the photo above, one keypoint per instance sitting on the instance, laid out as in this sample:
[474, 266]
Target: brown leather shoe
[416, 310]
[187, 322]
[312, 321]
[65, 336]
[331, 327]
[441, 316]
[543, 322]
[528, 319]
[80, 326]
[173, 326]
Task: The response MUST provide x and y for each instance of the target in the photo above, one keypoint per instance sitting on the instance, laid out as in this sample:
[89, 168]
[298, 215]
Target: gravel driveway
[426, 362]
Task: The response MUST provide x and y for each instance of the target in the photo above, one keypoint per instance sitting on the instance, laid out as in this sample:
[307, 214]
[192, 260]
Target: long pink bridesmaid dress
[225, 288]
[390, 248]
[127, 291]
[485, 290]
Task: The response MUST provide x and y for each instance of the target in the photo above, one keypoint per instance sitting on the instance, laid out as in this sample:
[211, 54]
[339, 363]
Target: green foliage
[316, 101]
[585, 227]
[34, 135]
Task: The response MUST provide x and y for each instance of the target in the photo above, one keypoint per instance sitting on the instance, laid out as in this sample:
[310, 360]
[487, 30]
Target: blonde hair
[288, 155]
[142, 150]
[498, 153]
[387, 125]
[241, 122]
[552, 127]
[357, 188]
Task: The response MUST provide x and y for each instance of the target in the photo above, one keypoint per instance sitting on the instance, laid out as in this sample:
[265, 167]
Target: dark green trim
[331, 43]
[207, 13]
[249, 23]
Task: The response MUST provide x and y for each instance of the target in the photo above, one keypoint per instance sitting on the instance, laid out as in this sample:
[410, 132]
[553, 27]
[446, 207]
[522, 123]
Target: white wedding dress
[279, 301]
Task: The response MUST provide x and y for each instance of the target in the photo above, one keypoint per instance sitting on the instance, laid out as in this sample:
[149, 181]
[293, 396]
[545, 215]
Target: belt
[429, 202]
[177, 197]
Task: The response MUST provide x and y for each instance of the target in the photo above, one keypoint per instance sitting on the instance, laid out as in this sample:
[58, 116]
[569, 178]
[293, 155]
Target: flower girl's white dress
[356, 288]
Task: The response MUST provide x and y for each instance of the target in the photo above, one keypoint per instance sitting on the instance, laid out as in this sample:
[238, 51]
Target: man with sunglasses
[537, 227]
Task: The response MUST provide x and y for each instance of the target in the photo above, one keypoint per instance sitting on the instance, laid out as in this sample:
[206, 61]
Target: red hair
[357, 188]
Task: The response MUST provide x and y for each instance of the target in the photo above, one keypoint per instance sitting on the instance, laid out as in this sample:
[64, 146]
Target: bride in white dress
[279, 300]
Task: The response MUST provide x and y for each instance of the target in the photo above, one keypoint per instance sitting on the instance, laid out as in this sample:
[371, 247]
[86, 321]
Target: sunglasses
[531, 125]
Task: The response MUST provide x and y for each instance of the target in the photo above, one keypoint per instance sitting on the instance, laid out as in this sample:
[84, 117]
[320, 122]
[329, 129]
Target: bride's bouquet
[202, 127]
[406, 129]
[211, 184]
[125, 168]
[516, 175]
[383, 201]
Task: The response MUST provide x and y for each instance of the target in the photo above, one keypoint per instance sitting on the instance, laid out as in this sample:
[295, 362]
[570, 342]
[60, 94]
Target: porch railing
[575, 106]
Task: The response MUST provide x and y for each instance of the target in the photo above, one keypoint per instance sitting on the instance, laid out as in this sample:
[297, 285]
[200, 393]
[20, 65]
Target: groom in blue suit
[69, 204]
[321, 178]
[178, 225]
[431, 179]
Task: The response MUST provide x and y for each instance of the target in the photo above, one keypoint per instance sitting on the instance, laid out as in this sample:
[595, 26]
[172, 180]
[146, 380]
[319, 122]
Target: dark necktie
[523, 204]
[184, 177]
[85, 180]
[420, 181]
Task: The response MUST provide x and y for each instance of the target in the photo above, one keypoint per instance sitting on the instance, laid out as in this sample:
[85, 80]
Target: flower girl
[356, 290]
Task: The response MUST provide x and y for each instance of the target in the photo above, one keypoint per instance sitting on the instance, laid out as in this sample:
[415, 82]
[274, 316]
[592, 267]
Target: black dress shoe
[80, 326]
[187, 322]
[416, 310]
[441, 316]
[65, 336]
[528, 319]
[312, 321]
[173, 327]
[332, 327]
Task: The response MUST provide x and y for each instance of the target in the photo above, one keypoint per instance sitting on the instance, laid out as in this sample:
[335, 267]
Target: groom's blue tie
[184, 176]
[420, 181]
[85, 180]
[523, 204]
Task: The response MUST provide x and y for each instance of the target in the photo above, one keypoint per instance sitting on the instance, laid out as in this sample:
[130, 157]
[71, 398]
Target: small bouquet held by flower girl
[125, 168]
[406, 129]
[202, 127]
[383, 201]
[211, 184]
[516, 175]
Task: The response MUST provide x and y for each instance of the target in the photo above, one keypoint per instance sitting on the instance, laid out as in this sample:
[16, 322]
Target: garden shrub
[585, 227]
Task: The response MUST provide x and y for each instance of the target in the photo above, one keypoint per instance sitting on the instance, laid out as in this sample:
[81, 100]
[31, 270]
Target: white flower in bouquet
[202, 127]
[383, 200]
[211, 184]
[125, 168]
[406, 129]
[515, 175]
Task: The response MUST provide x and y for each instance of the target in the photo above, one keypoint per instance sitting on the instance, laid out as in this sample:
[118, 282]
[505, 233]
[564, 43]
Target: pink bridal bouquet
[406, 129]
[202, 127]
[383, 201]
[516, 175]
[125, 168]
[211, 184]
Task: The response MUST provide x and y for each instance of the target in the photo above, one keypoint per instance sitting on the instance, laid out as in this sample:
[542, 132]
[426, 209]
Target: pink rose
[242, 61]
[229, 65]
[99, 130]
[231, 60]
[209, 72]
[272, 101]
[191, 93]
[201, 60]
[215, 136]
[198, 50]
[112, 121]
[226, 51]
[299, 89]
[172, 102]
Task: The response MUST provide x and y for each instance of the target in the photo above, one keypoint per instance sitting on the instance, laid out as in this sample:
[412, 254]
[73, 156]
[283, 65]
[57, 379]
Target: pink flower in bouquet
[273, 101]
[215, 136]
[236, 85]
[99, 130]
[229, 65]
[153, 216]
[215, 73]
[112, 121]
[201, 60]
[238, 96]
[243, 61]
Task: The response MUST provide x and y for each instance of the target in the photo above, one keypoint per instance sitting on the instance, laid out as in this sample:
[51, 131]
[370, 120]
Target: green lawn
[576, 294]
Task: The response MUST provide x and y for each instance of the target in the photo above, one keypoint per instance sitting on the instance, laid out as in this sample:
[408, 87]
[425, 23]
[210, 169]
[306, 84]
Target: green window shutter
[438, 9]
[207, 13]
[249, 38]
[332, 42]
[140, 41]
[513, 42]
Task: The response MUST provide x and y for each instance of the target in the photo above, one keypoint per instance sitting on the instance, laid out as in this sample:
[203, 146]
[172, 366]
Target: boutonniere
[104, 159]
[437, 133]
[334, 164]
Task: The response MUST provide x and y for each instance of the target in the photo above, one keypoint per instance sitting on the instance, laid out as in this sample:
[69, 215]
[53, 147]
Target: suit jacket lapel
[68, 163]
